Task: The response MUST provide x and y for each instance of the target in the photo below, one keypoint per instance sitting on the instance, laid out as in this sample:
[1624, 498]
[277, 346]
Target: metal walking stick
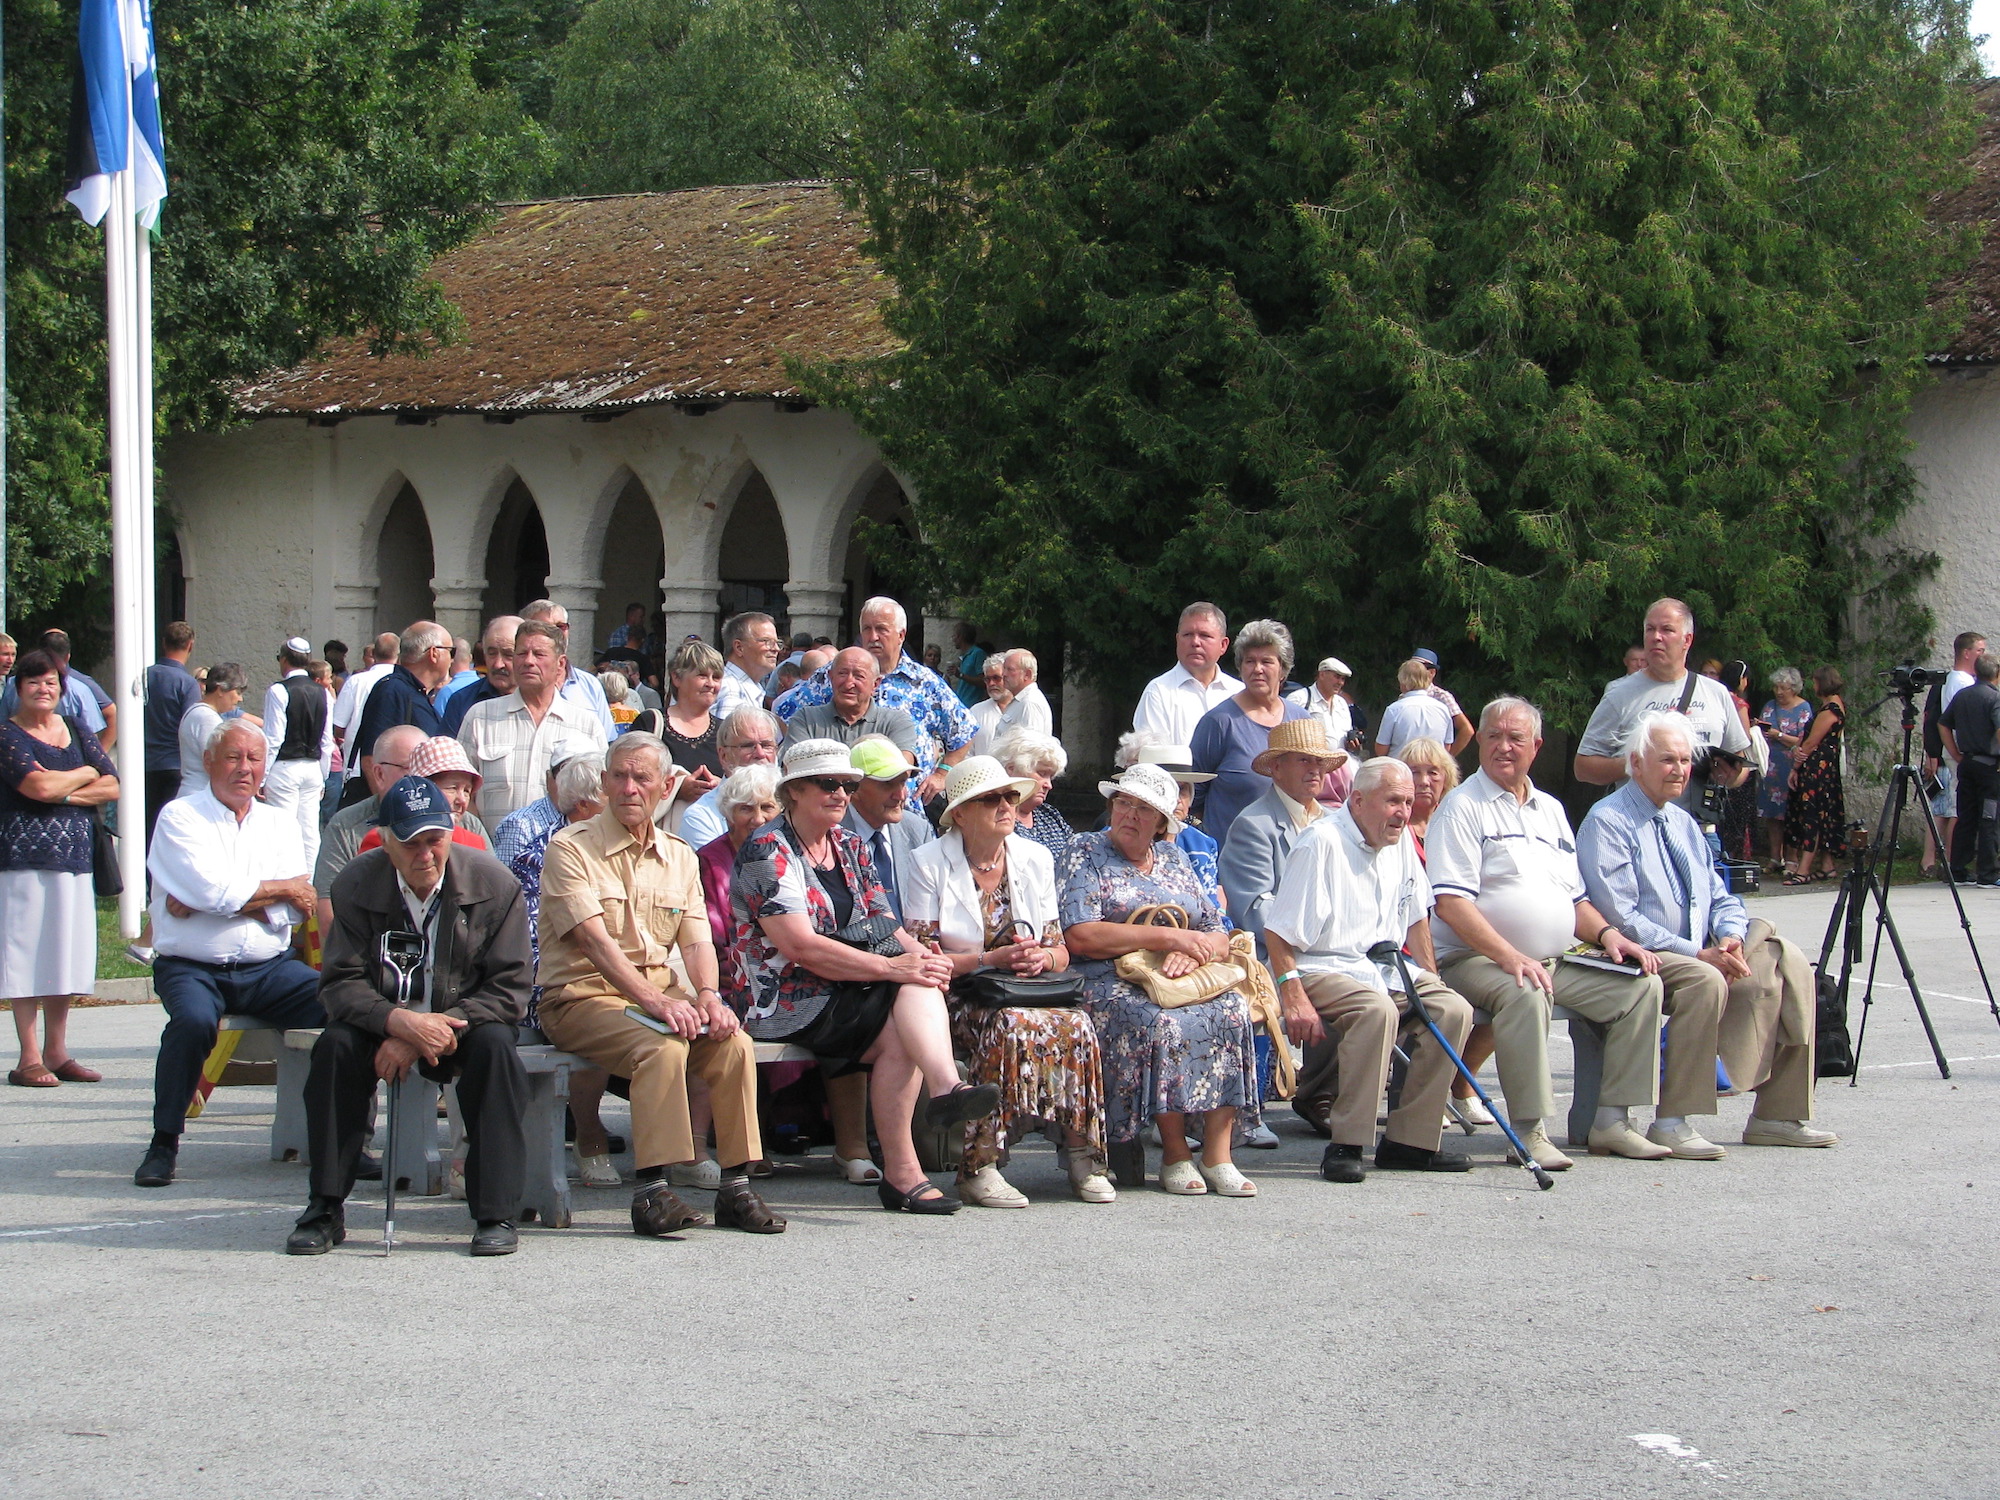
[402, 953]
[1384, 953]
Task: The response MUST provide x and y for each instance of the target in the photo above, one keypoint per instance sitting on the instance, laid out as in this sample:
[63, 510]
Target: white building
[616, 425]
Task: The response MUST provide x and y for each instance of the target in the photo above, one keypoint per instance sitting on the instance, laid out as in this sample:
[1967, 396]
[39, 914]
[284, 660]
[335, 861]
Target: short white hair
[632, 741]
[223, 730]
[1026, 751]
[883, 602]
[1650, 727]
[1501, 707]
[580, 780]
[745, 787]
[748, 717]
[1376, 770]
[1024, 659]
[615, 686]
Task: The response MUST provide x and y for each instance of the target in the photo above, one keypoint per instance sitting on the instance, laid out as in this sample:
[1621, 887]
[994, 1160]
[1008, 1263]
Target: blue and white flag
[115, 110]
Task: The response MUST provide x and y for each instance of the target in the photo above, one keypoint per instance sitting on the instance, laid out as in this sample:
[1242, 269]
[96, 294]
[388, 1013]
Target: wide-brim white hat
[817, 758]
[1176, 760]
[979, 776]
[1153, 786]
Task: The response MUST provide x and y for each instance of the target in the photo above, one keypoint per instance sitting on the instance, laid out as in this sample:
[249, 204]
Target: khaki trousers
[1362, 1023]
[596, 1027]
[1761, 1025]
[1627, 1006]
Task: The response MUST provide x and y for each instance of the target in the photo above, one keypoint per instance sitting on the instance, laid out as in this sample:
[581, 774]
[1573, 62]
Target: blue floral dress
[1774, 793]
[1183, 1061]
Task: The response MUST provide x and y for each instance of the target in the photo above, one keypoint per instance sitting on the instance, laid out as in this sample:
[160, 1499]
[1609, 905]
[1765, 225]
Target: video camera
[1909, 679]
[1738, 875]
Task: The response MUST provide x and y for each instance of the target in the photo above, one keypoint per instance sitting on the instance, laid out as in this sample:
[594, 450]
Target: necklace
[998, 860]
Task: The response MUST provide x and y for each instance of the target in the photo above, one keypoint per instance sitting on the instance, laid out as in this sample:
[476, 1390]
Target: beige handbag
[1143, 968]
[1266, 1013]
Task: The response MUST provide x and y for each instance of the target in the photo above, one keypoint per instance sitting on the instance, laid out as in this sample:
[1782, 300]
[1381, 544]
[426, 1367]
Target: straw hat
[1176, 760]
[817, 758]
[1152, 785]
[1305, 736]
[978, 776]
[439, 754]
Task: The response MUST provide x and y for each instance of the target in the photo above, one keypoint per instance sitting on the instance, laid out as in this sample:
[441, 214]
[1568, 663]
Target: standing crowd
[844, 852]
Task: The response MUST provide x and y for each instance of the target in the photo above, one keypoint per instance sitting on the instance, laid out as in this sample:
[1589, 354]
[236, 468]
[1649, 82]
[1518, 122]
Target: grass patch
[112, 962]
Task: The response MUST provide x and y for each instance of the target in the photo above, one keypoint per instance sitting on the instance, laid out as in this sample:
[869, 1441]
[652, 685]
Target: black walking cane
[402, 953]
[1383, 953]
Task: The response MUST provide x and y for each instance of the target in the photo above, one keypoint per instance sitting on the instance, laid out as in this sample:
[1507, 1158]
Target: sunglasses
[1008, 796]
[831, 784]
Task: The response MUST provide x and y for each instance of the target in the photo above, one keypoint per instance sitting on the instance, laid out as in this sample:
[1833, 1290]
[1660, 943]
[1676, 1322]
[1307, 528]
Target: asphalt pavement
[1781, 1323]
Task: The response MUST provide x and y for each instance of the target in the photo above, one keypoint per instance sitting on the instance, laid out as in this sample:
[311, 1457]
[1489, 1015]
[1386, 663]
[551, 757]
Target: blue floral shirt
[917, 691]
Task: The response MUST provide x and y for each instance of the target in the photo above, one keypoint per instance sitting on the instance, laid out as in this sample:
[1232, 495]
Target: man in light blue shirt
[1730, 984]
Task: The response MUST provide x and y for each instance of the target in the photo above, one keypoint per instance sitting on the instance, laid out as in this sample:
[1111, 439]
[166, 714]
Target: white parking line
[17, 1234]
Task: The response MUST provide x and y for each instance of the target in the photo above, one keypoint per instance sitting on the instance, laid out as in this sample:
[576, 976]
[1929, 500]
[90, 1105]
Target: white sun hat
[978, 776]
[817, 758]
[1152, 785]
[1177, 761]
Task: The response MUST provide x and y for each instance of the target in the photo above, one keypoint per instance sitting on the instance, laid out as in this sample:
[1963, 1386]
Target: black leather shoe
[157, 1170]
[969, 1101]
[1342, 1164]
[495, 1237]
[657, 1211]
[370, 1169]
[322, 1226]
[737, 1207]
[1394, 1156]
[1316, 1113]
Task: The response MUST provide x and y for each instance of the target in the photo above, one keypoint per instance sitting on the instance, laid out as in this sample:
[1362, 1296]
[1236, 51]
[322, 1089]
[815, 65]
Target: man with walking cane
[1352, 881]
[462, 911]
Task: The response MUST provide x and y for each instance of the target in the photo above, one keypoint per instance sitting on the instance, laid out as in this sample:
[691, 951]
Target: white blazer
[937, 887]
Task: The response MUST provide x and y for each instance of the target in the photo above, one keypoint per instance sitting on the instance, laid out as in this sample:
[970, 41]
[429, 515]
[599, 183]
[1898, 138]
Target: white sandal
[1227, 1182]
[859, 1170]
[1183, 1179]
[597, 1172]
[705, 1174]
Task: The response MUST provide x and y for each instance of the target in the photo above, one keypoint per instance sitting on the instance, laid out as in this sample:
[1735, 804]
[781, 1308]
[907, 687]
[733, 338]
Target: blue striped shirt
[1650, 872]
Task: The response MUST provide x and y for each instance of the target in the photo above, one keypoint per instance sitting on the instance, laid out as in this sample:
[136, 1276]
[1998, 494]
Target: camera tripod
[1871, 867]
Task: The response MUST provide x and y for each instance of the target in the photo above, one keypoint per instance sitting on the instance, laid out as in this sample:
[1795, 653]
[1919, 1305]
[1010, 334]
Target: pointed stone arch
[631, 552]
[517, 550]
[752, 550]
[404, 561]
[880, 497]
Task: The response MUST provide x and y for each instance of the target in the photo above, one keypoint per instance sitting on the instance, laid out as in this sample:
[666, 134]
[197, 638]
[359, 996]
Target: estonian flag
[115, 110]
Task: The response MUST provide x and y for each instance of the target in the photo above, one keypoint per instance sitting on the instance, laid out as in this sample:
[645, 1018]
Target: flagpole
[127, 540]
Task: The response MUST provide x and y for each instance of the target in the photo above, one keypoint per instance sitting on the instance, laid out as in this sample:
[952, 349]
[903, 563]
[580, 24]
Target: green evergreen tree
[1445, 320]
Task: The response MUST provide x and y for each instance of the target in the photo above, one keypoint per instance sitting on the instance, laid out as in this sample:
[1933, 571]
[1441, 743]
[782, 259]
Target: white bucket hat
[1152, 785]
[1177, 761]
[978, 776]
[817, 758]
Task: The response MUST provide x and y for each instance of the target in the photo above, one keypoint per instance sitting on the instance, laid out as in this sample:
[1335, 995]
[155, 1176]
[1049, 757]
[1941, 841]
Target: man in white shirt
[1510, 900]
[229, 885]
[1027, 707]
[750, 654]
[986, 713]
[298, 739]
[1664, 684]
[577, 686]
[1174, 702]
[1414, 716]
[1352, 881]
[353, 697]
[509, 739]
[1322, 699]
[748, 737]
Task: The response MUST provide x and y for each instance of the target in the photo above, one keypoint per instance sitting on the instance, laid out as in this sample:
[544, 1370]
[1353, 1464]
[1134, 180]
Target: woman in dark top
[1817, 821]
[52, 774]
[695, 674]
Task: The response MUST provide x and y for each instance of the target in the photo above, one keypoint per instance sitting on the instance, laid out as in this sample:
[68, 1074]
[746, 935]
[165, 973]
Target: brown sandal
[36, 1076]
[72, 1071]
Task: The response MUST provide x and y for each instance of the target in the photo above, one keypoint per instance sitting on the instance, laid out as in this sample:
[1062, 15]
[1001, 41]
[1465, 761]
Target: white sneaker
[1762, 1132]
[138, 955]
[986, 1188]
[706, 1174]
[1543, 1150]
[1087, 1180]
[1685, 1142]
[597, 1172]
[1475, 1113]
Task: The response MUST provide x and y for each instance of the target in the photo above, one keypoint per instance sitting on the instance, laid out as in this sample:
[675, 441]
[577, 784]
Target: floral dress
[1774, 791]
[774, 878]
[1818, 815]
[1186, 1060]
[1044, 1060]
[1050, 829]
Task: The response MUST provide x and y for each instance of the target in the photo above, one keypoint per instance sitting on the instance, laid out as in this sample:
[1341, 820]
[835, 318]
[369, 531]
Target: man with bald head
[341, 839]
[229, 885]
[854, 712]
[496, 652]
[423, 663]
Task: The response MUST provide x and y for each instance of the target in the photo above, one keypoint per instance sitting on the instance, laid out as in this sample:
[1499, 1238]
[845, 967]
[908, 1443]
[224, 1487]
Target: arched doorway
[403, 564]
[635, 555]
[517, 555]
[885, 504]
[755, 560]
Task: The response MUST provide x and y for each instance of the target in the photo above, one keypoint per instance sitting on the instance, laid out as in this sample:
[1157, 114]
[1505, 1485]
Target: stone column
[690, 610]
[354, 617]
[579, 597]
[458, 605]
[816, 607]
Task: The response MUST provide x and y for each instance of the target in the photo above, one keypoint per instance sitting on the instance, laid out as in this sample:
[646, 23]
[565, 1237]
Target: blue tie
[1678, 871]
[886, 871]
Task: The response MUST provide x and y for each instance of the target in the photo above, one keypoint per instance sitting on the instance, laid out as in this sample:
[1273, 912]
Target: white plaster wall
[1955, 450]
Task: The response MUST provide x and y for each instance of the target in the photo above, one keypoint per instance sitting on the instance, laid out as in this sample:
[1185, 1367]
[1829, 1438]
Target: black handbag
[876, 935]
[1001, 989]
[104, 877]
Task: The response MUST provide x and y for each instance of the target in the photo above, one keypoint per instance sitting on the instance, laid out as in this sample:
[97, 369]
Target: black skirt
[841, 1034]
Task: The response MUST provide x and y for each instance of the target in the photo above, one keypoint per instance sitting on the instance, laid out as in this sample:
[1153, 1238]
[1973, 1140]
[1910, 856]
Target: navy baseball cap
[1425, 655]
[411, 806]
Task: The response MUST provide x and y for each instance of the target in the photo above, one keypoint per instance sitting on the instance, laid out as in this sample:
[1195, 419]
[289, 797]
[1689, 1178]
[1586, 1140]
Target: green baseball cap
[879, 761]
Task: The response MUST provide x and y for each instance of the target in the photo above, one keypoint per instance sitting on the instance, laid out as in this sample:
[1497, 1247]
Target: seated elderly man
[1510, 902]
[1351, 882]
[1264, 833]
[748, 737]
[229, 885]
[1731, 984]
[853, 714]
[459, 1023]
[628, 977]
[341, 839]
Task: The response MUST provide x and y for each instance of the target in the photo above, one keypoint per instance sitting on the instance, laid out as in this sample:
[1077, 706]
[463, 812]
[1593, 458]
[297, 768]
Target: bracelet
[1287, 977]
[708, 989]
[1598, 941]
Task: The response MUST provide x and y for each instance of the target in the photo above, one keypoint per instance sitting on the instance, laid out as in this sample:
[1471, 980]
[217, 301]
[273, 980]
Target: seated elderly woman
[986, 897]
[1039, 758]
[1160, 1064]
[799, 883]
[1142, 747]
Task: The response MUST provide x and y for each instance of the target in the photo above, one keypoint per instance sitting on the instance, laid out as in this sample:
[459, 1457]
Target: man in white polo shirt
[1510, 900]
[1174, 702]
[1351, 881]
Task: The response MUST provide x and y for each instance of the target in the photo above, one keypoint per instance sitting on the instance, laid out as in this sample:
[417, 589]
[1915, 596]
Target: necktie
[1677, 871]
[886, 871]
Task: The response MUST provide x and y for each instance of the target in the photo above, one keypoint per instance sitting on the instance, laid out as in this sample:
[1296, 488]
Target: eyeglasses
[831, 784]
[1006, 795]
